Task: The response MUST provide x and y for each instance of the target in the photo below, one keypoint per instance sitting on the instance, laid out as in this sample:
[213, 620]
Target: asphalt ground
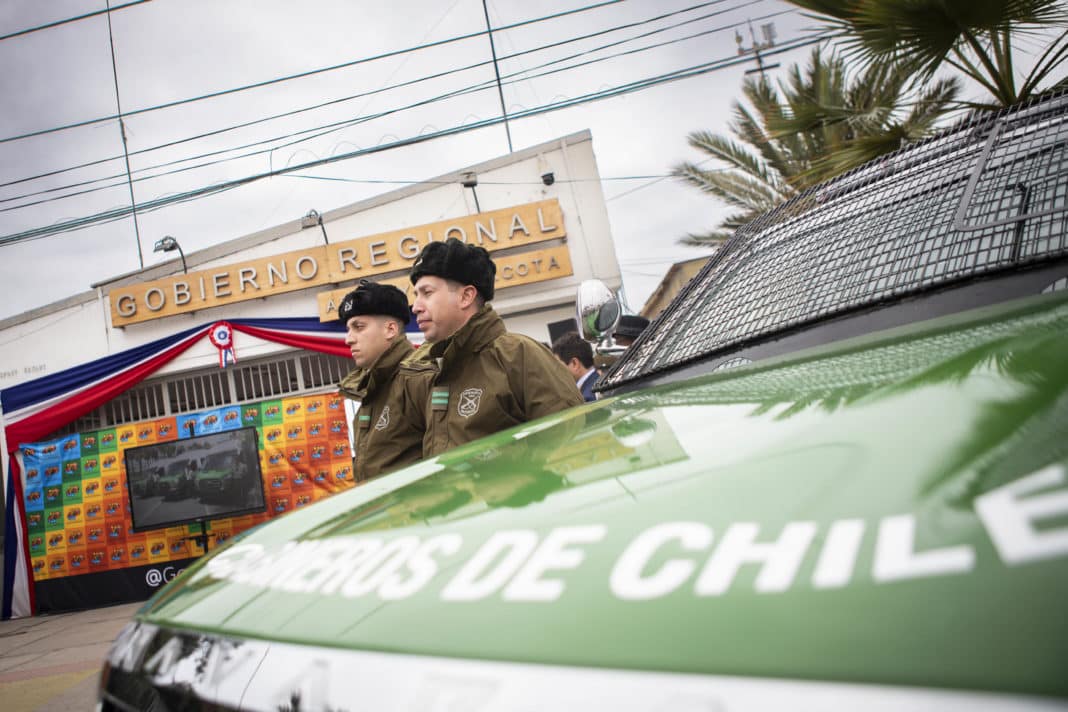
[52, 662]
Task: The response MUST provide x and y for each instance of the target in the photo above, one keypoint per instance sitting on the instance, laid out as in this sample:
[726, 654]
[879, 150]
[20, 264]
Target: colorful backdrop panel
[77, 507]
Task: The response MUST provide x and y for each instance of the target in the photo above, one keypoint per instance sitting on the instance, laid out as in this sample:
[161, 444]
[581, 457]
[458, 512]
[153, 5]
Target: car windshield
[176, 468]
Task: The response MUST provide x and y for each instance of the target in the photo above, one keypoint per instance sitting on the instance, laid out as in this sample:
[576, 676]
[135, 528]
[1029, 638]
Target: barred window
[139, 403]
[323, 369]
[266, 380]
[204, 390]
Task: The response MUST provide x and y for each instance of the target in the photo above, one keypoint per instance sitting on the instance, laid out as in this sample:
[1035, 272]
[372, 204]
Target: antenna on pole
[768, 32]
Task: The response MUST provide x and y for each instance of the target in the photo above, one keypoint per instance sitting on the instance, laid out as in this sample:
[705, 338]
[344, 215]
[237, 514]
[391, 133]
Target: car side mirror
[599, 311]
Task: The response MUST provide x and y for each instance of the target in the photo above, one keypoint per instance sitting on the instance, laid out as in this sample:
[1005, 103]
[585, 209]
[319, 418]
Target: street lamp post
[470, 180]
[169, 244]
[312, 219]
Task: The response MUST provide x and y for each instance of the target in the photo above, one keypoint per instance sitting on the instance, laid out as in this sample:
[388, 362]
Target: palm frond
[707, 239]
[922, 36]
[932, 104]
[819, 121]
[731, 153]
[733, 188]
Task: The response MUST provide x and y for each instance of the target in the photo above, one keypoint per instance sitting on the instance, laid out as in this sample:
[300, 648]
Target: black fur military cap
[631, 326]
[373, 299]
[458, 261]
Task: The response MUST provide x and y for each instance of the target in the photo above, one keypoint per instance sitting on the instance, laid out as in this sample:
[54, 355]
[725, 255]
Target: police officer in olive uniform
[485, 379]
[389, 425]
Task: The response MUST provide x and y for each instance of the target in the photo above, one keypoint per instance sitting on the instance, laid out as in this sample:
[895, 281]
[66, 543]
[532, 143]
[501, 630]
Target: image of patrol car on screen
[201, 478]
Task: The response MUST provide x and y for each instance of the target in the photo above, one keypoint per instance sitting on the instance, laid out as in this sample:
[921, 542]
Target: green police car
[832, 475]
[175, 480]
[223, 476]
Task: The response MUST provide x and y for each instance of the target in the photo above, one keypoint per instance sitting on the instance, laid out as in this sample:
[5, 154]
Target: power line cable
[507, 39]
[364, 105]
[324, 130]
[330, 128]
[122, 131]
[398, 181]
[497, 72]
[347, 123]
[664, 259]
[190, 195]
[640, 273]
[619, 90]
[57, 23]
[658, 179]
[418, 81]
[310, 72]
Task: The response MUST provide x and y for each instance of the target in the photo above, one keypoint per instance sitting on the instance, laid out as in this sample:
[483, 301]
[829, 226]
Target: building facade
[539, 211]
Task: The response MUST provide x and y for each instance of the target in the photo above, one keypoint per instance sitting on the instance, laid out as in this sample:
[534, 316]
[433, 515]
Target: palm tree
[815, 125]
[977, 37]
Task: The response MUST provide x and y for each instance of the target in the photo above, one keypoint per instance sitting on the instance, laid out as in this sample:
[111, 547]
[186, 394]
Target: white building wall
[70, 335]
[77, 330]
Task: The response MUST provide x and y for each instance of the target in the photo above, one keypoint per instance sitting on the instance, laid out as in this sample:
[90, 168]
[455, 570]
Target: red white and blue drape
[34, 409]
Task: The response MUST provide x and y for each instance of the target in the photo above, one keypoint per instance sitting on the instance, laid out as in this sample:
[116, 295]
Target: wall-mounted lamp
[546, 171]
[169, 244]
[312, 219]
[470, 180]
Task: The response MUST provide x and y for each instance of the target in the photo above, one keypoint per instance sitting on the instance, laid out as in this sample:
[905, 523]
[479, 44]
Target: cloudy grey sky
[169, 50]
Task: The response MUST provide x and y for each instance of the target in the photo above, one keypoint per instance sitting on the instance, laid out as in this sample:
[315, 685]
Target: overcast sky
[169, 50]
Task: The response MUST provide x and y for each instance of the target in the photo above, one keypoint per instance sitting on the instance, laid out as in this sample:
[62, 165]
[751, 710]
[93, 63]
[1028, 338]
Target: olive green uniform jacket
[388, 427]
[486, 379]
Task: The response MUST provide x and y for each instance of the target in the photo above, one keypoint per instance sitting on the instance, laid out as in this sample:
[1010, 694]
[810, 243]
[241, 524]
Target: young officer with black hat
[388, 427]
[629, 329]
[485, 378]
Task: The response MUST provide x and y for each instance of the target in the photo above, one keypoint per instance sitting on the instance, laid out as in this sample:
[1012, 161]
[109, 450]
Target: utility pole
[497, 71]
[768, 31]
[125, 148]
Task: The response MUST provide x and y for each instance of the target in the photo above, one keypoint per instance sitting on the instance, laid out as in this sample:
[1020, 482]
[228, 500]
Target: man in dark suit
[577, 354]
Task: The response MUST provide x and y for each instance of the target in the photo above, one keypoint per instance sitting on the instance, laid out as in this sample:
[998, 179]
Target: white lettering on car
[839, 554]
[280, 567]
[896, 558]
[478, 579]
[629, 580]
[421, 565]
[223, 564]
[370, 574]
[1010, 519]
[525, 565]
[554, 552]
[161, 664]
[779, 560]
[332, 563]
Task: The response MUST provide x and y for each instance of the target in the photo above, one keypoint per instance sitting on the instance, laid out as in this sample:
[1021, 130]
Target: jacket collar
[591, 373]
[361, 381]
[480, 331]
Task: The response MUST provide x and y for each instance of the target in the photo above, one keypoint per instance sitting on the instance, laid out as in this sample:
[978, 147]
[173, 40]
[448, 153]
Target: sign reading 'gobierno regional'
[344, 262]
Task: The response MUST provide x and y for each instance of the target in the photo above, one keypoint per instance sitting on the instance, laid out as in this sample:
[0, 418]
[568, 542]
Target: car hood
[890, 510]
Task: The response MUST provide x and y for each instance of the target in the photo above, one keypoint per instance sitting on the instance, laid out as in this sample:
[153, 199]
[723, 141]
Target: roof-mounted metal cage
[988, 195]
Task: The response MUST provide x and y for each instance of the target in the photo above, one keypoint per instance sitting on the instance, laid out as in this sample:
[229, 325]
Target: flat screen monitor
[195, 480]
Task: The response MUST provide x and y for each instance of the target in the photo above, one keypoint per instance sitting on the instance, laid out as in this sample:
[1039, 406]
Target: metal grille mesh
[987, 195]
[847, 377]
